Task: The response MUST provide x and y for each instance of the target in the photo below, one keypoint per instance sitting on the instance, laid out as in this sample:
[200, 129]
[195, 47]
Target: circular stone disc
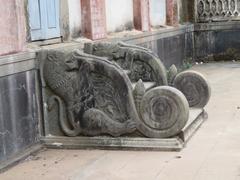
[194, 86]
[164, 111]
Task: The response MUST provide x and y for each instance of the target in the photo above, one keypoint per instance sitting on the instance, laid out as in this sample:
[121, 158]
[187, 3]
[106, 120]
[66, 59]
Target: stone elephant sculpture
[119, 89]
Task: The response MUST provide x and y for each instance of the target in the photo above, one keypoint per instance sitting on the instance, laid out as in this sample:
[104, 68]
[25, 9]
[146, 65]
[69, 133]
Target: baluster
[225, 6]
[220, 7]
[200, 8]
[207, 9]
[235, 13]
[210, 9]
[217, 8]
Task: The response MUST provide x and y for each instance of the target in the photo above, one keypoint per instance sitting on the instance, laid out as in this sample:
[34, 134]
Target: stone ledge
[214, 26]
[197, 117]
[158, 34]
[193, 124]
[17, 63]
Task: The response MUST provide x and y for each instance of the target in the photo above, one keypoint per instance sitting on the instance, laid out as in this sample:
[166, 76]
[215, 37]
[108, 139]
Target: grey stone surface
[211, 154]
[86, 89]
[222, 45]
[173, 49]
[207, 11]
[19, 157]
[164, 111]
[159, 42]
[140, 62]
[194, 86]
[19, 114]
[91, 95]
[196, 119]
[172, 72]
[17, 63]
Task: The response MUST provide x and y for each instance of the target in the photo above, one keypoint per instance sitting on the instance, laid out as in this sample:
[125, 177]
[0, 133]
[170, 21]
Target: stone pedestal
[172, 12]
[141, 15]
[176, 143]
[93, 19]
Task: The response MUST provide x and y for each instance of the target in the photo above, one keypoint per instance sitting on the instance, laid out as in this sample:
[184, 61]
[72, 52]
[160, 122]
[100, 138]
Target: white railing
[217, 10]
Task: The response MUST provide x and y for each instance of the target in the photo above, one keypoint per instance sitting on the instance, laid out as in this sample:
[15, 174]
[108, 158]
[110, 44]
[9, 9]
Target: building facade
[179, 31]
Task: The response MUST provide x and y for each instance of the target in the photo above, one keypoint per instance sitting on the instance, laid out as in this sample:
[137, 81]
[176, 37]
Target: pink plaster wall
[172, 12]
[94, 19]
[12, 26]
[141, 15]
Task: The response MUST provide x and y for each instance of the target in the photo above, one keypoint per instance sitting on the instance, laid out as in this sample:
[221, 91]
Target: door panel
[44, 19]
[51, 14]
[52, 9]
[35, 18]
[35, 21]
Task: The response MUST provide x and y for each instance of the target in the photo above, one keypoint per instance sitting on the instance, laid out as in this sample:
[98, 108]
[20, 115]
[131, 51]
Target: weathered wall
[64, 20]
[19, 106]
[70, 19]
[217, 41]
[18, 115]
[12, 26]
[157, 12]
[173, 46]
[119, 15]
[217, 33]
[74, 17]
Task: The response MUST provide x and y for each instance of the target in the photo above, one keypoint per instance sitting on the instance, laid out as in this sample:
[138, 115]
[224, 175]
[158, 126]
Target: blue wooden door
[44, 19]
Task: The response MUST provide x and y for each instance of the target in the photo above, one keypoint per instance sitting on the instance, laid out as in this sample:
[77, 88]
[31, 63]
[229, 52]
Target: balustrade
[217, 10]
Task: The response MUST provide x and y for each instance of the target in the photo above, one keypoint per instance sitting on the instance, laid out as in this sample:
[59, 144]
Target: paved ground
[212, 154]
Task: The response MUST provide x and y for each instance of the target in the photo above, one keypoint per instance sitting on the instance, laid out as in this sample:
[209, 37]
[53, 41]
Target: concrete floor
[212, 154]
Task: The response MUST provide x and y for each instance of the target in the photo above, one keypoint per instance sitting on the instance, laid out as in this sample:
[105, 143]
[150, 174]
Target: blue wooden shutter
[44, 19]
[35, 19]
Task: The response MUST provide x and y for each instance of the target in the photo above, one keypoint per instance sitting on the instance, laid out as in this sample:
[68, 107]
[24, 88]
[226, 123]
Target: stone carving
[217, 10]
[93, 104]
[112, 91]
[138, 94]
[141, 63]
[194, 86]
[164, 111]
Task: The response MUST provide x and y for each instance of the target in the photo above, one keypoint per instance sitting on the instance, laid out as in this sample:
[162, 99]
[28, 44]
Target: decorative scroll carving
[217, 10]
[195, 87]
[164, 112]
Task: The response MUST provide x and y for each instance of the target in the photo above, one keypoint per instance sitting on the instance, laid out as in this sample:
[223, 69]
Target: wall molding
[17, 63]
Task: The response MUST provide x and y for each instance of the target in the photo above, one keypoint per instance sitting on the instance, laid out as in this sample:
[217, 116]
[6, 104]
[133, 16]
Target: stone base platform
[196, 118]
[18, 157]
